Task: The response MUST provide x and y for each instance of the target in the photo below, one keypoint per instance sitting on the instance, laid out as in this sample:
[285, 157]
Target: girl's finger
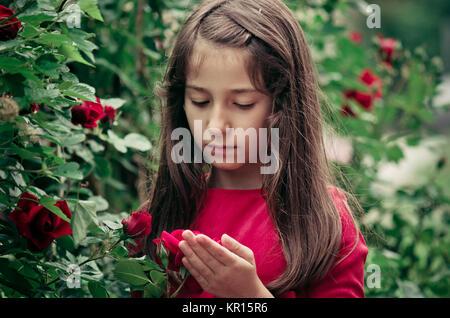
[222, 254]
[195, 273]
[238, 249]
[209, 259]
[195, 261]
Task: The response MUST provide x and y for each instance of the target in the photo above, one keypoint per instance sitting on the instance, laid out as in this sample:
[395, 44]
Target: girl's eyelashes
[199, 103]
[246, 106]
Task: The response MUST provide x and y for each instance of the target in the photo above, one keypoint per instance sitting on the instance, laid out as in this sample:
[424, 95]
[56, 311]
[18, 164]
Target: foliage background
[120, 54]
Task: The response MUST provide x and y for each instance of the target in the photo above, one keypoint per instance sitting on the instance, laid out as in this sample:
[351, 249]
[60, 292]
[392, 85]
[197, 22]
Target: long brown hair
[297, 197]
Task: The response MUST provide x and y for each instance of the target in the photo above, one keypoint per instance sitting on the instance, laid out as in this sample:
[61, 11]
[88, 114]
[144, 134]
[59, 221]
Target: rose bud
[34, 108]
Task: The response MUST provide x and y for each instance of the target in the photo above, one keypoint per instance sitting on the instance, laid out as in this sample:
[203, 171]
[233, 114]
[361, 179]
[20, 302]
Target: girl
[246, 64]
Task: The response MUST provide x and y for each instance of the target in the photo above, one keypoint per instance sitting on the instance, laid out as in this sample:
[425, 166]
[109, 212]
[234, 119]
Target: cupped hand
[226, 270]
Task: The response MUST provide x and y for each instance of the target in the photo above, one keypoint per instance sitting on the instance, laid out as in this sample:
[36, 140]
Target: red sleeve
[344, 279]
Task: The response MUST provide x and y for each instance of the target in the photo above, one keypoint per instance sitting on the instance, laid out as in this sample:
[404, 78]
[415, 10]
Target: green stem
[179, 288]
[167, 284]
[61, 6]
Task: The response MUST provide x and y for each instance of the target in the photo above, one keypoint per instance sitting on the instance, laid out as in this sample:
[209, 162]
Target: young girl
[290, 233]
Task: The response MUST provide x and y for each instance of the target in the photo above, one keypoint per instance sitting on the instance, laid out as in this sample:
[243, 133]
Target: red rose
[387, 48]
[110, 114]
[350, 93]
[367, 77]
[356, 37]
[37, 224]
[12, 27]
[34, 107]
[373, 82]
[171, 241]
[388, 45]
[364, 99]
[137, 225]
[87, 114]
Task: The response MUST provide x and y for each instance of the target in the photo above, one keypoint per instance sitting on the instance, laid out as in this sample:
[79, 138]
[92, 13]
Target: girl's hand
[224, 271]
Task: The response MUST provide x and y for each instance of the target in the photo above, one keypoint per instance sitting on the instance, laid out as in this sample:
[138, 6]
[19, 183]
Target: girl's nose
[219, 118]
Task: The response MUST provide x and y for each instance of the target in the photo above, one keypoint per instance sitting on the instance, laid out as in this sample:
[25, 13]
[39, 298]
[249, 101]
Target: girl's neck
[246, 177]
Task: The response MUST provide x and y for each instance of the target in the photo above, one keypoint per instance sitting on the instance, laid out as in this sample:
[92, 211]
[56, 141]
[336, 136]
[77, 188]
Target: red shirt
[242, 214]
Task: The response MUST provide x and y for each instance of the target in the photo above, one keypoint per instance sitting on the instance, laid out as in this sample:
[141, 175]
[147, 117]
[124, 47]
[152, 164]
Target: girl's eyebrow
[236, 90]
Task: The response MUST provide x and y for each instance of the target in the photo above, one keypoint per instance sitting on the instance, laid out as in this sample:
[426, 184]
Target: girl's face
[222, 96]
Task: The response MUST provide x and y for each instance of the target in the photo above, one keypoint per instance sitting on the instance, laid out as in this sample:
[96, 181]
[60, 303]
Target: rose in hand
[226, 270]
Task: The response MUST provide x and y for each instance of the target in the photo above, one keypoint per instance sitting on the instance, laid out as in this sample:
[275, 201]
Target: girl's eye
[245, 106]
[199, 103]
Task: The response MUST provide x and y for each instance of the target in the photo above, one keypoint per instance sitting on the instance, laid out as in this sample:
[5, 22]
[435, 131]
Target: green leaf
[10, 63]
[130, 271]
[80, 38]
[150, 264]
[23, 153]
[8, 45]
[42, 95]
[67, 141]
[48, 203]
[37, 18]
[91, 8]
[116, 103]
[73, 53]
[157, 277]
[137, 141]
[69, 170]
[82, 91]
[83, 214]
[97, 290]
[117, 142]
[119, 251]
[102, 167]
[394, 153]
[29, 31]
[100, 203]
[54, 39]
[151, 291]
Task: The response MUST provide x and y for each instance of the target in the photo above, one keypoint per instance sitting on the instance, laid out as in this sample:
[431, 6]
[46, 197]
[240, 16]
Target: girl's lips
[222, 149]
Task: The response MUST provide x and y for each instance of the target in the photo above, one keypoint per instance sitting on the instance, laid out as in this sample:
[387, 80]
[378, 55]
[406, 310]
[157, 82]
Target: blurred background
[386, 98]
